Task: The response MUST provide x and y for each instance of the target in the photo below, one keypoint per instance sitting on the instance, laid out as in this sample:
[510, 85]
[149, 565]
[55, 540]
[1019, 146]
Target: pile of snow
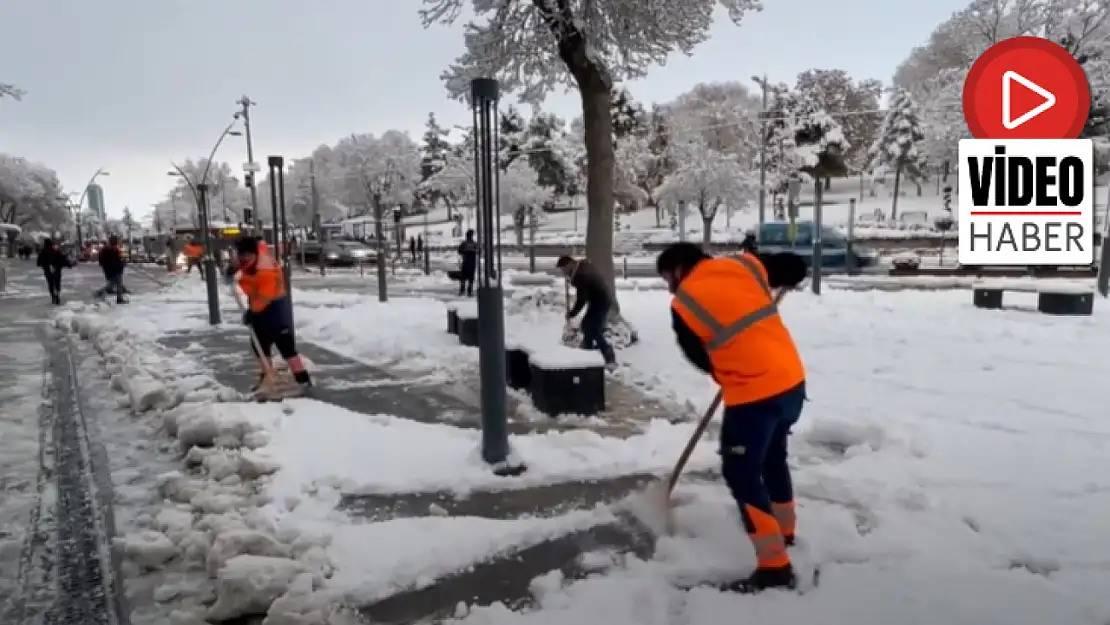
[216, 524]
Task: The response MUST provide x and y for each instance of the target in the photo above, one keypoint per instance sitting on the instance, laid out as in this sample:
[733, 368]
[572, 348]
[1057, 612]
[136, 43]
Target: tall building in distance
[96, 201]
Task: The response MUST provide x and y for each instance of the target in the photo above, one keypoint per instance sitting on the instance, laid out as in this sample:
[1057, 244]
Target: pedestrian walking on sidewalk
[468, 264]
[726, 320]
[112, 264]
[269, 311]
[591, 293]
[51, 260]
[412, 249]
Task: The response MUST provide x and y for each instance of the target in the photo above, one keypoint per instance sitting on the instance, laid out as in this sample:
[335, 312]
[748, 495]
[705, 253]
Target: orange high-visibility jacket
[194, 250]
[265, 283]
[728, 304]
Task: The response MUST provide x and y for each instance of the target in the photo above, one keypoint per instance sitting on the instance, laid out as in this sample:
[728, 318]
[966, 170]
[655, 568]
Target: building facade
[95, 196]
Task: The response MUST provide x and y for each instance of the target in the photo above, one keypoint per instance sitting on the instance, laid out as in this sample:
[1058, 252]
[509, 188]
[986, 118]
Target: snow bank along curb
[216, 523]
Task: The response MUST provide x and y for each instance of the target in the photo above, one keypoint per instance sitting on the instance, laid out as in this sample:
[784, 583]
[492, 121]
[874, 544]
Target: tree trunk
[600, 160]
[594, 86]
[897, 185]
[518, 226]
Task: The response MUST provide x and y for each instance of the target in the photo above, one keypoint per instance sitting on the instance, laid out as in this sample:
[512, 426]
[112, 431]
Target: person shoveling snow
[726, 320]
[268, 314]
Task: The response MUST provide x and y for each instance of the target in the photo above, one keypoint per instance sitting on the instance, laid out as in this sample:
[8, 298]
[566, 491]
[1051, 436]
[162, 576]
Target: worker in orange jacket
[269, 310]
[194, 252]
[727, 324]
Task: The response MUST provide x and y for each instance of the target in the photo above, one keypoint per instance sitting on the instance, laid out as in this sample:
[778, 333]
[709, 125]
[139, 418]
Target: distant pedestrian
[112, 264]
[420, 245]
[52, 261]
[468, 264]
[412, 249]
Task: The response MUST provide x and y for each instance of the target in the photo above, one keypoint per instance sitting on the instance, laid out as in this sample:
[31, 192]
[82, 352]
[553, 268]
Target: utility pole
[762, 150]
[250, 168]
[316, 220]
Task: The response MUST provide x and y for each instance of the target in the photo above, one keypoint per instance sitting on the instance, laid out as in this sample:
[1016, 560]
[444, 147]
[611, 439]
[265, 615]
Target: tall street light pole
[762, 82]
[250, 168]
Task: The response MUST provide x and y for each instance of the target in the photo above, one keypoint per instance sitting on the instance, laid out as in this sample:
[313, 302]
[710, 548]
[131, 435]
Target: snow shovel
[658, 495]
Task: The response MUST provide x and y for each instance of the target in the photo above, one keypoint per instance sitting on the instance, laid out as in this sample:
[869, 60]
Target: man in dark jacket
[468, 265]
[52, 261]
[112, 264]
[591, 293]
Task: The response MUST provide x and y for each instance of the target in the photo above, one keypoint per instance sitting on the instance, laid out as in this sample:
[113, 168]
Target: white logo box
[1056, 230]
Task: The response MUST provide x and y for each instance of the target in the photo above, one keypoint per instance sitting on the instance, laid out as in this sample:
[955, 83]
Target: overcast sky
[132, 84]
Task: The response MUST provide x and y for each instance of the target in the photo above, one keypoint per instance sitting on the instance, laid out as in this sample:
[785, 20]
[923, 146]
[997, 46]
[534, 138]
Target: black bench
[567, 381]
[518, 365]
[1058, 300]
[468, 326]
[452, 320]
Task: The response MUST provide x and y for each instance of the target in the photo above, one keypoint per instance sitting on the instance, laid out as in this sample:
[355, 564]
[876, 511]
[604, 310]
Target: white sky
[131, 85]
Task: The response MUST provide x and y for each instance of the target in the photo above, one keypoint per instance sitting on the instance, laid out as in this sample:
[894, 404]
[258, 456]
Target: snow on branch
[526, 44]
[706, 177]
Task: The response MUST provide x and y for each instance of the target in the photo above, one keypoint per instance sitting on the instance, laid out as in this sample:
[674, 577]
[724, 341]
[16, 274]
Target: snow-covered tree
[434, 150]
[454, 182]
[548, 154]
[724, 114]
[377, 172]
[629, 116]
[512, 137]
[521, 195]
[935, 71]
[31, 196]
[535, 47]
[847, 100]
[520, 188]
[433, 155]
[897, 145]
[707, 178]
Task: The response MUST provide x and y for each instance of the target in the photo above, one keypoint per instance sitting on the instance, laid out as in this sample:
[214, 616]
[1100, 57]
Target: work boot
[259, 383]
[765, 578]
[304, 381]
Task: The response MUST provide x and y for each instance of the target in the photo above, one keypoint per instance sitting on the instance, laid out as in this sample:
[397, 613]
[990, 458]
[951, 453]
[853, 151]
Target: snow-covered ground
[948, 466]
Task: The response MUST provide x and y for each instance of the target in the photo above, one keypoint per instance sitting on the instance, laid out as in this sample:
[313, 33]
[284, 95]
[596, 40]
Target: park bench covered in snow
[462, 320]
[566, 381]
[1058, 299]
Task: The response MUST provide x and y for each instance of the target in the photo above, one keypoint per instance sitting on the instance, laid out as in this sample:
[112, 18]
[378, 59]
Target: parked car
[774, 236]
[339, 253]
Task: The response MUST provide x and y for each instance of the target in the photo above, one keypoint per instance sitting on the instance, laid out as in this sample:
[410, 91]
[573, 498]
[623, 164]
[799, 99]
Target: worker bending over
[269, 311]
[726, 320]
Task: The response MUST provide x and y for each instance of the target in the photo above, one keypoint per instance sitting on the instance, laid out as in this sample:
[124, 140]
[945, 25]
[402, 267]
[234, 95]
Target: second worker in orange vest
[269, 311]
[727, 324]
[194, 252]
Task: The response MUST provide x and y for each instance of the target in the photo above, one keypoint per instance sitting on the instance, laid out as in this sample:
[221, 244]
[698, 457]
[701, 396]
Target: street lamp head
[235, 133]
[105, 173]
[175, 174]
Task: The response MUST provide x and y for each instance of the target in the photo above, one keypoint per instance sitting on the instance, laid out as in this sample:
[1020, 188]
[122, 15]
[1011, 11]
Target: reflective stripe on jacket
[264, 283]
[729, 305]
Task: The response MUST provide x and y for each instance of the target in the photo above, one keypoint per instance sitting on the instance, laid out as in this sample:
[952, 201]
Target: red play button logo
[1026, 88]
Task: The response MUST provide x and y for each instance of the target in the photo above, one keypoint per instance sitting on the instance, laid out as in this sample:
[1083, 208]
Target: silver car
[340, 253]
